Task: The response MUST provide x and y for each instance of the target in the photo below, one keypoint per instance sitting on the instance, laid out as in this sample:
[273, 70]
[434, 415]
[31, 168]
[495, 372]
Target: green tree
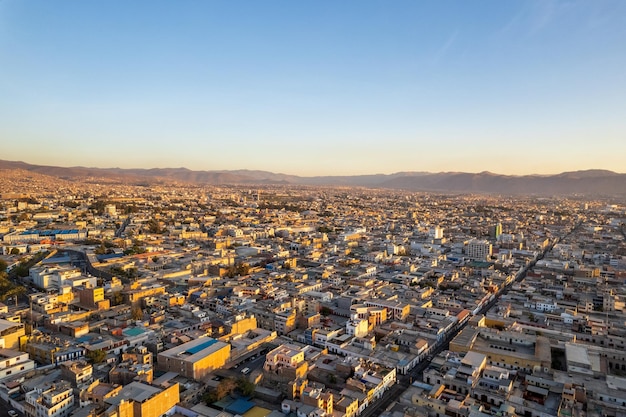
[154, 226]
[15, 251]
[242, 269]
[21, 270]
[100, 250]
[245, 386]
[117, 298]
[136, 313]
[13, 291]
[96, 356]
[326, 311]
[225, 387]
[3, 266]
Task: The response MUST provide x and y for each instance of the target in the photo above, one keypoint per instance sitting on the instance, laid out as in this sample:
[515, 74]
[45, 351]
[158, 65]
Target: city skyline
[516, 88]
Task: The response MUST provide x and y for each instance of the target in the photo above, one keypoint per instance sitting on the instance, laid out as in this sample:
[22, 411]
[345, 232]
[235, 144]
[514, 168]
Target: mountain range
[589, 182]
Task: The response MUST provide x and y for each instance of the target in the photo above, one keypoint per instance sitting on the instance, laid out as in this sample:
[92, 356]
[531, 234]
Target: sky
[315, 87]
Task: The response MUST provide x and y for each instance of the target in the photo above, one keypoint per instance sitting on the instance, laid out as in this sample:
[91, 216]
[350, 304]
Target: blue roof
[201, 346]
[84, 339]
[133, 331]
[57, 260]
[49, 232]
[239, 406]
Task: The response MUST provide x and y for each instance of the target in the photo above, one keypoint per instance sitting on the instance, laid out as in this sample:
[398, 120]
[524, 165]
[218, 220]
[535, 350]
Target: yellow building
[244, 325]
[195, 359]
[10, 334]
[396, 310]
[347, 405]
[318, 399]
[142, 400]
[136, 293]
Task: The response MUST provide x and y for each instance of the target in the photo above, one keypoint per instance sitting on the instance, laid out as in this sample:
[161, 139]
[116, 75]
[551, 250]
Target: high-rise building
[478, 249]
[495, 231]
[436, 232]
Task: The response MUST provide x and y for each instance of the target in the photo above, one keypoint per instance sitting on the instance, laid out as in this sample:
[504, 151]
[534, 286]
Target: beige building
[507, 349]
[77, 372]
[289, 356]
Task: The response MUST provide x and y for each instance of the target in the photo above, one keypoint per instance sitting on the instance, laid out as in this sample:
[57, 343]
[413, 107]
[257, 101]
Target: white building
[436, 232]
[52, 276]
[357, 327]
[14, 362]
[51, 400]
[110, 210]
[478, 249]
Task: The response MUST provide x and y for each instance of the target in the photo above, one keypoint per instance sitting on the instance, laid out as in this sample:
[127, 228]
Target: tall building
[436, 232]
[478, 249]
[495, 231]
[111, 210]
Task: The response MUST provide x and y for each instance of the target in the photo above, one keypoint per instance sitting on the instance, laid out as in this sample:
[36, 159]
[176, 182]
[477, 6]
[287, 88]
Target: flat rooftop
[135, 391]
[195, 350]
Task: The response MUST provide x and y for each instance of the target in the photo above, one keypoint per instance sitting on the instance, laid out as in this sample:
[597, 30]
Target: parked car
[13, 413]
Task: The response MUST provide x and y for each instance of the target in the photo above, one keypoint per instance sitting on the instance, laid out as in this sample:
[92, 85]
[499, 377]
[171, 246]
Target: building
[137, 293]
[142, 400]
[92, 297]
[397, 310]
[52, 276]
[111, 210]
[195, 359]
[285, 321]
[39, 235]
[478, 249]
[289, 356]
[46, 350]
[506, 349]
[10, 334]
[51, 400]
[77, 372]
[14, 362]
[495, 231]
[98, 392]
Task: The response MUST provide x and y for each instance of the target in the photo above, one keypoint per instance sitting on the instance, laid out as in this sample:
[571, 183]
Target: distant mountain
[589, 182]
[593, 182]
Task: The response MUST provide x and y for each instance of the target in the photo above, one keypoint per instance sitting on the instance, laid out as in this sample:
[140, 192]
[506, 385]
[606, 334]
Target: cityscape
[126, 298]
[274, 208]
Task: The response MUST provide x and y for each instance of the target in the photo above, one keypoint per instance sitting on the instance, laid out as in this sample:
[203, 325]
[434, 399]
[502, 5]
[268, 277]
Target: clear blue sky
[315, 87]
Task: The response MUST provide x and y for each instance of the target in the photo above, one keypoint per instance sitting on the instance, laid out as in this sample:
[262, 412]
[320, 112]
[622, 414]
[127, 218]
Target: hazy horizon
[314, 175]
[314, 88]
